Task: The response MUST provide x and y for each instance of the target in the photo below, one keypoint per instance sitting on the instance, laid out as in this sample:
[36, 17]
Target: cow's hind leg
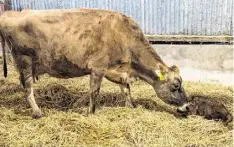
[95, 84]
[125, 89]
[30, 97]
[26, 79]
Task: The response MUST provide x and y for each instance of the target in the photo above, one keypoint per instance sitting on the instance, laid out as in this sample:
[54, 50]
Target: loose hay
[65, 102]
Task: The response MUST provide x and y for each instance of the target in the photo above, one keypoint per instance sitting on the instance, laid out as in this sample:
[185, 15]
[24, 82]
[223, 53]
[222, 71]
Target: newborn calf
[209, 108]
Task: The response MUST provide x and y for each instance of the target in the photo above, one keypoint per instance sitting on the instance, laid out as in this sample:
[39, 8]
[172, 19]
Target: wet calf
[209, 108]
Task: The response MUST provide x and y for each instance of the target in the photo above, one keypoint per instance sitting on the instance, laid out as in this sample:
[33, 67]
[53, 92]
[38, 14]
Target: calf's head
[169, 86]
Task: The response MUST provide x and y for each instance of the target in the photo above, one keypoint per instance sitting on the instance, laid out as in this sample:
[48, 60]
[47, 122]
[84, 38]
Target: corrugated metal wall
[157, 17]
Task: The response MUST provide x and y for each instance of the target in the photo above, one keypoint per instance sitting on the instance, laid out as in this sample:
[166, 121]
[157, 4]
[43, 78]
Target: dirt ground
[151, 123]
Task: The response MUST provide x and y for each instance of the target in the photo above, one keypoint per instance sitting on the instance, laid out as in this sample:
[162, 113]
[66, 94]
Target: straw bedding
[65, 103]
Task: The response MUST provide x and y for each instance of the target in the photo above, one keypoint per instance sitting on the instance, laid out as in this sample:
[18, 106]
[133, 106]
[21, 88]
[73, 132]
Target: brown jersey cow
[79, 42]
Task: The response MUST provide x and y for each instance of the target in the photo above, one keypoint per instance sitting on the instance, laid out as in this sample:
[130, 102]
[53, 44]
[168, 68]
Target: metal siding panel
[232, 19]
[154, 16]
[151, 25]
[176, 16]
[158, 18]
[196, 16]
[187, 17]
[146, 16]
[12, 5]
[201, 18]
[212, 23]
[174, 26]
[163, 17]
[171, 17]
[206, 17]
[190, 17]
[125, 6]
[168, 16]
[221, 13]
[150, 21]
[143, 15]
[217, 18]
[204, 22]
[184, 17]
[182, 22]
[209, 18]
[130, 8]
[229, 17]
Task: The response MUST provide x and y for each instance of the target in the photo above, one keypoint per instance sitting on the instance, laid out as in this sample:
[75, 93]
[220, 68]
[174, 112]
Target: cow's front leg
[125, 89]
[95, 84]
[30, 97]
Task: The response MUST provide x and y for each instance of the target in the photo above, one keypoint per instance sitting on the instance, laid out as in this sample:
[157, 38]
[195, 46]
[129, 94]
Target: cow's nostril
[177, 86]
[187, 108]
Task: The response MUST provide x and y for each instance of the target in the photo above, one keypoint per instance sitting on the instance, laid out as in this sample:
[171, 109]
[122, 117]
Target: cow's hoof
[129, 105]
[37, 115]
[91, 111]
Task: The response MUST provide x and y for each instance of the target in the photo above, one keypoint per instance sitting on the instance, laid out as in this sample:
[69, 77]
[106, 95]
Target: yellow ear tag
[161, 77]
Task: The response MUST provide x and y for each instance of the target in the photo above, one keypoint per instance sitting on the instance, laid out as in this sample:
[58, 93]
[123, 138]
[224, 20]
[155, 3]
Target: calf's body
[209, 108]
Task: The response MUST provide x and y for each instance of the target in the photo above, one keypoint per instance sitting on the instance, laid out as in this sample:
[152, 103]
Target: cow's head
[169, 86]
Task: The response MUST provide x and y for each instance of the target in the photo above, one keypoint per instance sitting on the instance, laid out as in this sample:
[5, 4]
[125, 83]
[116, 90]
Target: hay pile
[151, 123]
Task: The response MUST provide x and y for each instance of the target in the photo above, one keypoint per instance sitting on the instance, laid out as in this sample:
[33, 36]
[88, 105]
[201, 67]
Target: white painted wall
[204, 63]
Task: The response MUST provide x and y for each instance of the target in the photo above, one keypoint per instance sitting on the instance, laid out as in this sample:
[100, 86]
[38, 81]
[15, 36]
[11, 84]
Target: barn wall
[157, 17]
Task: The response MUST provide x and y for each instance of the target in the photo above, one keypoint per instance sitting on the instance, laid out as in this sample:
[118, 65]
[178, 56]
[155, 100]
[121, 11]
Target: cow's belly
[63, 68]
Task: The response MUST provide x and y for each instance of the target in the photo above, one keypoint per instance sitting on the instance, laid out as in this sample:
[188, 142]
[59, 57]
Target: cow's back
[81, 36]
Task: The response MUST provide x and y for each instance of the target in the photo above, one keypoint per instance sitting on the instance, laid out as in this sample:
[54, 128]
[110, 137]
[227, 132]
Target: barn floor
[151, 123]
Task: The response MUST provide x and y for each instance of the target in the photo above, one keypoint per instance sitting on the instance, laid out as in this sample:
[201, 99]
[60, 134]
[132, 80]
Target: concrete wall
[204, 63]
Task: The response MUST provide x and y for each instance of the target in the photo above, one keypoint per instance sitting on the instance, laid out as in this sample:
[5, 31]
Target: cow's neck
[145, 62]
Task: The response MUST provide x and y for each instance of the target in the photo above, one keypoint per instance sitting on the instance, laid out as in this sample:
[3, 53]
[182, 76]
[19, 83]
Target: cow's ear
[163, 69]
[175, 69]
[161, 72]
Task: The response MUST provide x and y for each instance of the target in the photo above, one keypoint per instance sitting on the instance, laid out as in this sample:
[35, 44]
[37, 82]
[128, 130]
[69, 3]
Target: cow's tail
[4, 55]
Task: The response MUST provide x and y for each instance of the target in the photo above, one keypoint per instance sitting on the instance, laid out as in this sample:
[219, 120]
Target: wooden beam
[189, 38]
